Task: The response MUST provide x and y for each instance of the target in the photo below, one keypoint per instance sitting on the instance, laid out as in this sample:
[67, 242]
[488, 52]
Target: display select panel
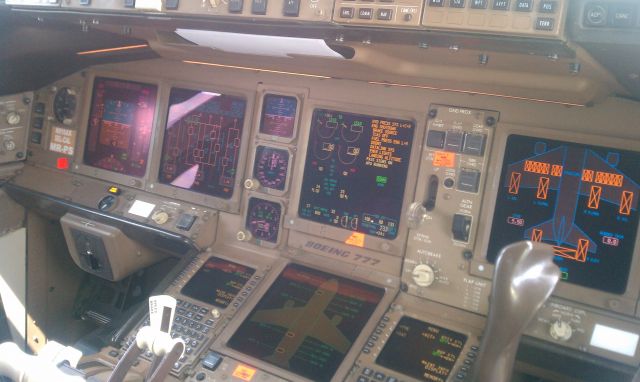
[422, 350]
[120, 126]
[307, 321]
[202, 140]
[581, 199]
[218, 282]
[355, 172]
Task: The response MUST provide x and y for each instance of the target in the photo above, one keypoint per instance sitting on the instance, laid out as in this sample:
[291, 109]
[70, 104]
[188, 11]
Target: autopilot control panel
[343, 232]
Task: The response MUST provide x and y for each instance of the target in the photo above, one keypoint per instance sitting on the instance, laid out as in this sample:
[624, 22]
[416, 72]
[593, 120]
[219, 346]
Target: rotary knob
[160, 217]
[423, 275]
[251, 184]
[9, 145]
[560, 330]
[243, 235]
[13, 118]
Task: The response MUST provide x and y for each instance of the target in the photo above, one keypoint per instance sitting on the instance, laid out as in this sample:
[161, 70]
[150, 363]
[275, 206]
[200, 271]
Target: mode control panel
[389, 13]
[445, 213]
[541, 18]
[15, 114]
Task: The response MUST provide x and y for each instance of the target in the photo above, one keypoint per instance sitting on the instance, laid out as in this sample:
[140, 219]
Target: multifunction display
[581, 199]
[355, 172]
[120, 125]
[218, 282]
[278, 115]
[307, 321]
[202, 140]
[421, 350]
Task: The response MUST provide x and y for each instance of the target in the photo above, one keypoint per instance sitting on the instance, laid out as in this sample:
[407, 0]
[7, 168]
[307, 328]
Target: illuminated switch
[435, 139]
[38, 122]
[291, 8]
[36, 137]
[461, 227]
[85, 2]
[211, 361]
[622, 15]
[479, 4]
[185, 222]
[474, 144]
[385, 14]
[453, 141]
[39, 108]
[129, 3]
[436, 3]
[524, 5]
[457, 4]
[235, 6]
[500, 5]
[365, 13]
[259, 7]
[171, 4]
[468, 180]
[346, 12]
[548, 6]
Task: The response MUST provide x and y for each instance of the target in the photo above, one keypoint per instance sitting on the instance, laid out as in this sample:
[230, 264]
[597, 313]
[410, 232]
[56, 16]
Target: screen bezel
[79, 166]
[390, 292]
[480, 266]
[155, 186]
[296, 223]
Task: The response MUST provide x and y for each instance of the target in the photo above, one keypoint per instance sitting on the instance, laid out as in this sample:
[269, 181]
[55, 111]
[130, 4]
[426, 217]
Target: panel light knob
[560, 331]
[13, 118]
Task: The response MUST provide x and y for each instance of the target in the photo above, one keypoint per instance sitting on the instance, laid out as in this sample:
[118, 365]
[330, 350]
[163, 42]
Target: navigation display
[278, 115]
[355, 172]
[218, 282]
[421, 350]
[307, 321]
[201, 144]
[581, 199]
[120, 125]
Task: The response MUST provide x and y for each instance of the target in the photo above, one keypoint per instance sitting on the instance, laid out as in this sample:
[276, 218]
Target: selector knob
[560, 330]
[9, 145]
[160, 217]
[243, 235]
[423, 275]
[13, 118]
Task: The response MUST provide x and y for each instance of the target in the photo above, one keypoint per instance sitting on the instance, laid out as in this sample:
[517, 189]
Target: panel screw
[483, 59]
[490, 121]
[433, 113]
[20, 155]
[467, 254]
[404, 287]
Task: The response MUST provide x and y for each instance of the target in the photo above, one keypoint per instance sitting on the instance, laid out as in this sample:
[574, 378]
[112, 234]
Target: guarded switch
[469, 180]
[461, 227]
[474, 144]
[185, 221]
[435, 139]
[453, 141]
[211, 361]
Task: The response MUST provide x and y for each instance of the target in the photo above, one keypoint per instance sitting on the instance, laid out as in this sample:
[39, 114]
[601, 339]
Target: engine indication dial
[271, 167]
[263, 219]
[64, 105]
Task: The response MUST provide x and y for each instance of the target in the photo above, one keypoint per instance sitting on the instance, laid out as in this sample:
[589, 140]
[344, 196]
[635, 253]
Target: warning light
[115, 190]
[243, 372]
[62, 163]
[444, 159]
[356, 239]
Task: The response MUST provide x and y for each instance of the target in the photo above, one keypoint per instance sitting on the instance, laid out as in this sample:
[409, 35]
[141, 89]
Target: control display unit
[271, 167]
[421, 350]
[120, 126]
[218, 282]
[278, 115]
[263, 219]
[355, 172]
[581, 199]
[307, 321]
[201, 146]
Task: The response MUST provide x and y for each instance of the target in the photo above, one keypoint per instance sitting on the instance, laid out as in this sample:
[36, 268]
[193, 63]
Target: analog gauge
[271, 166]
[64, 105]
[263, 219]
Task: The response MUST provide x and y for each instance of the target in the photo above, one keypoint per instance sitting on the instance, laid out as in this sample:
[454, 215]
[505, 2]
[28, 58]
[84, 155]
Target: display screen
[355, 172]
[218, 282]
[120, 125]
[278, 115]
[202, 139]
[263, 219]
[421, 350]
[271, 167]
[307, 321]
[581, 199]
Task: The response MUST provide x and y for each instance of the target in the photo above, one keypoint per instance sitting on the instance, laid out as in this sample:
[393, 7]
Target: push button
[453, 141]
[36, 137]
[235, 6]
[291, 8]
[524, 5]
[545, 23]
[259, 7]
[365, 13]
[468, 180]
[622, 15]
[595, 15]
[185, 222]
[548, 6]
[461, 227]
[129, 3]
[38, 122]
[479, 4]
[501, 5]
[436, 3]
[171, 4]
[474, 144]
[435, 139]
[385, 14]
[346, 12]
[211, 361]
[39, 108]
[456, 4]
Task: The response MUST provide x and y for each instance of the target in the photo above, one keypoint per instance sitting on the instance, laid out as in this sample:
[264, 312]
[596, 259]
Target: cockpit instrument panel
[581, 199]
[307, 321]
[263, 219]
[202, 141]
[355, 172]
[278, 115]
[422, 350]
[120, 126]
[271, 167]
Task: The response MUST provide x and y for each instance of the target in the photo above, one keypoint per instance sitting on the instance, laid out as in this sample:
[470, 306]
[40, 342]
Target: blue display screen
[581, 199]
[355, 172]
[278, 115]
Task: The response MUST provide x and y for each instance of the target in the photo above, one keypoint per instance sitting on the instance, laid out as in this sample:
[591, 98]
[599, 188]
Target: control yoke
[523, 279]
